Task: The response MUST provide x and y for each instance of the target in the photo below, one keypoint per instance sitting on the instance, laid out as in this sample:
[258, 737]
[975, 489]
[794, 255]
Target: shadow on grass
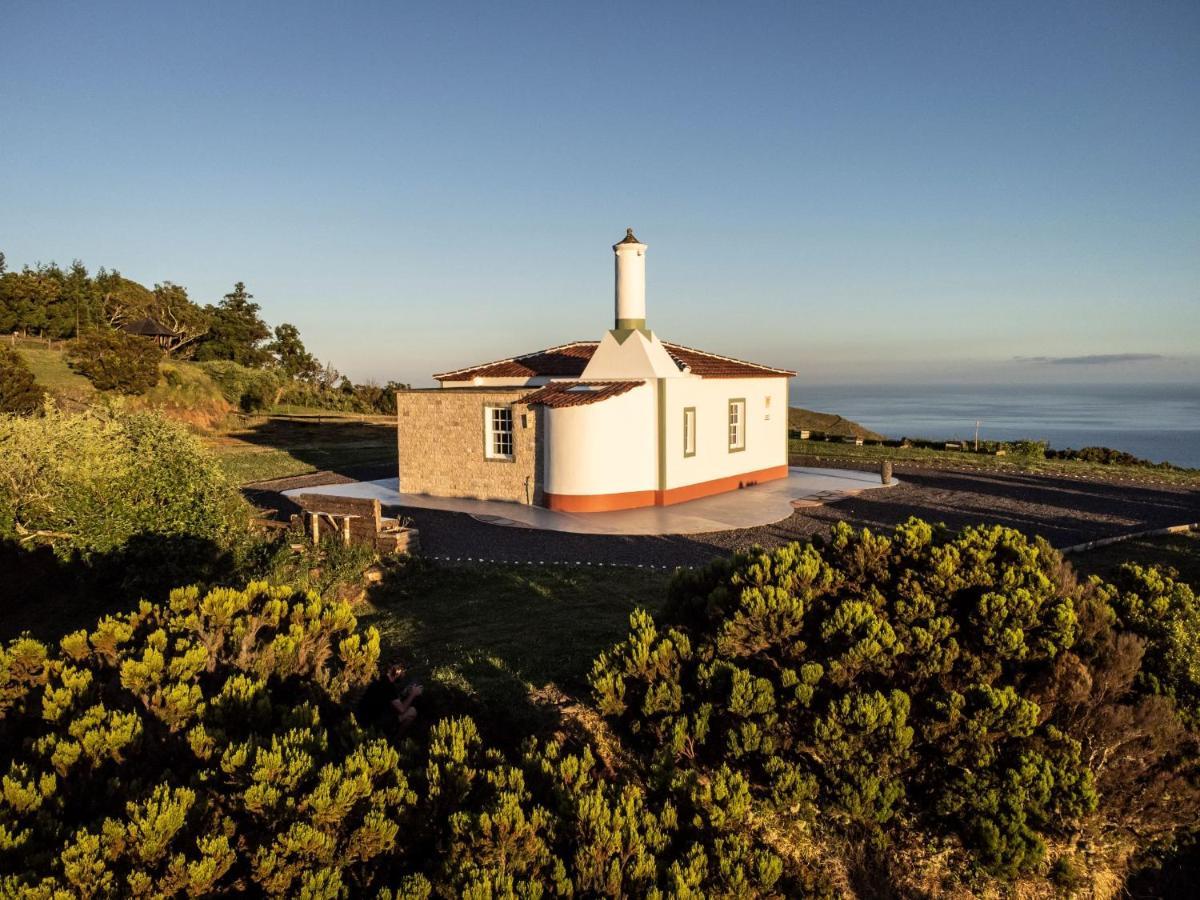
[48, 596]
[495, 641]
[349, 447]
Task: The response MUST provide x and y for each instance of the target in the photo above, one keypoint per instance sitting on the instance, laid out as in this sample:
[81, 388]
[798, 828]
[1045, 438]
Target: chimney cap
[629, 238]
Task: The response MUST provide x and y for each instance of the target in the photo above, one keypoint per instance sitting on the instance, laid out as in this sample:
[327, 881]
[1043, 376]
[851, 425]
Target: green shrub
[1032, 449]
[912, 680]
[19, 391]
[106, 481]
[115, 361]
[251, 390]
[209, 746]
[1166, 612]
[187, 748]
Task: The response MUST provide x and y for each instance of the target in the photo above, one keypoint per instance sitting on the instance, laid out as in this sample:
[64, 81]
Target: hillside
[828, 423]
[184, 392]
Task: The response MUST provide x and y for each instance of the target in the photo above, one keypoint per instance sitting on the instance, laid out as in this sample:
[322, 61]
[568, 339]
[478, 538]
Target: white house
[623, 422]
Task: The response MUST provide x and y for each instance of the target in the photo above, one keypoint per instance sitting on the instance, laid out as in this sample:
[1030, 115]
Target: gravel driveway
[1065, 510]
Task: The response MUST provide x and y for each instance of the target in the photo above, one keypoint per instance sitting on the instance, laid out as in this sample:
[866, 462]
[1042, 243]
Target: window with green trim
[737, 424]
[689, 431]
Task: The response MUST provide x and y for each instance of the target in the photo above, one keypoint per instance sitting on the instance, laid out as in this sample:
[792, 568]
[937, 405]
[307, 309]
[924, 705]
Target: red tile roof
[569, 361]
[565, 361]
[710, 365]
[578, 393]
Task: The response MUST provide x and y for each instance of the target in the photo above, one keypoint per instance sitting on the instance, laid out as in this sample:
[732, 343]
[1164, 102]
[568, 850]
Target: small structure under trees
[151, 329]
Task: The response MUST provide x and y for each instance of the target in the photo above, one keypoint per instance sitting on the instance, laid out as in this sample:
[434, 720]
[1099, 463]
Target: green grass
[835, 451]
[489, 636]
[1179, 551]
[50, 369]
[260, 448]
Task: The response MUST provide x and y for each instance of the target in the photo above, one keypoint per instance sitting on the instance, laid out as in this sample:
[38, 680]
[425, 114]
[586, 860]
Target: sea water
[1154, 422]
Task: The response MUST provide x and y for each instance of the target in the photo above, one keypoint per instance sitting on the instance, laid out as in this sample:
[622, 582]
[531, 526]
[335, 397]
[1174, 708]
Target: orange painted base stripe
[637, 499]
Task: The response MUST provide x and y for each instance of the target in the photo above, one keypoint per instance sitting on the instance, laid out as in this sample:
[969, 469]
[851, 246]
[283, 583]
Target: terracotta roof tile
[565, 361]
[569, 361]
[710, 365]
[558, 394]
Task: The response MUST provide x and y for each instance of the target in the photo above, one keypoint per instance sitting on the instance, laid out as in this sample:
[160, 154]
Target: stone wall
[441, 443]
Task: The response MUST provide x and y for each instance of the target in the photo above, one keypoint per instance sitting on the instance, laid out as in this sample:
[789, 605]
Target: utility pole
[976, 435]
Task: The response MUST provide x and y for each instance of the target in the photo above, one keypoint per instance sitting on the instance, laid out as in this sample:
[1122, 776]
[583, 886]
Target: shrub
[115, 361]
[1032, 449]
[19, 391]
[105, 481]
[911, 680]
[208, 746]
[251, 390]
[187, 748]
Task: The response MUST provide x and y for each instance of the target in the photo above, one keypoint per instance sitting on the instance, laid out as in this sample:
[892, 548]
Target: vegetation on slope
[828, 424]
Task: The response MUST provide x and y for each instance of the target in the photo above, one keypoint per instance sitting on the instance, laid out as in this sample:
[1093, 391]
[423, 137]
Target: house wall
[441, 446]
[602, 455]
[714, 467]
[606, 456]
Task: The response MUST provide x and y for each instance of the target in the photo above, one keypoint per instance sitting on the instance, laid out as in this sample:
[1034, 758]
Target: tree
[19, 391]
[236, 331]
[291, 356]
[173, 309]
[115, 361]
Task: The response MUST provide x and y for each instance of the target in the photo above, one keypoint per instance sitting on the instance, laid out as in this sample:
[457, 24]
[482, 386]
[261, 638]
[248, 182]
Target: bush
[187, 748]
[19, 391]
[1032, 449]
[918, 680]
[104, 481]
[251, 390]
[115, 361]
[208, 746]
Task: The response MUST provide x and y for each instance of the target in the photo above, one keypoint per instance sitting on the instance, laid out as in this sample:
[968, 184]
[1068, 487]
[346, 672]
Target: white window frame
[737, 424]
[496, 437]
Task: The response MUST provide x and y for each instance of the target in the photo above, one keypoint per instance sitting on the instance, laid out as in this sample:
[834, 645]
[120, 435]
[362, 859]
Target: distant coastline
[1154, 422]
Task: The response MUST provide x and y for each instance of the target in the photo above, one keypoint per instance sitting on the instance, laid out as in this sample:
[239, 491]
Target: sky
[959, 192]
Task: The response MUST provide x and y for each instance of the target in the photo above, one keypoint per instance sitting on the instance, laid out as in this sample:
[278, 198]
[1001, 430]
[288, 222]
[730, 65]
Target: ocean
[1154, 422]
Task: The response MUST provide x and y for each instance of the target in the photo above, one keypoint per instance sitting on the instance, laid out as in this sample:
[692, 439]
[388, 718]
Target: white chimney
[631, 282]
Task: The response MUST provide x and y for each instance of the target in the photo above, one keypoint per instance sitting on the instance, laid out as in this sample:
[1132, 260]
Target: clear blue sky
[862, 192]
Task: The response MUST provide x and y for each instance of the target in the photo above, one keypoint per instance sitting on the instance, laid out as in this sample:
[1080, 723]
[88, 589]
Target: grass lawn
[265, 447]
[50, 369]
[835, 451]
[1179, 551]
[488, 636]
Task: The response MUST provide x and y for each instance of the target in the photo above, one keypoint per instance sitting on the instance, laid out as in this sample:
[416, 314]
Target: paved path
[750, 507]
[1066, 510]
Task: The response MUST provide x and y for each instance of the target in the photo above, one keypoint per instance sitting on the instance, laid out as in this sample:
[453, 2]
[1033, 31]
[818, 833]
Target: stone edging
[1153, 532]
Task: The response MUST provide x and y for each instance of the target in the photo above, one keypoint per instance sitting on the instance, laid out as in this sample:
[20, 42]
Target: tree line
[96, 312]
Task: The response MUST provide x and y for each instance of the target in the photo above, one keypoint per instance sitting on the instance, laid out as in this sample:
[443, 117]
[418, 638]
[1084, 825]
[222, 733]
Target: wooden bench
[357, 520]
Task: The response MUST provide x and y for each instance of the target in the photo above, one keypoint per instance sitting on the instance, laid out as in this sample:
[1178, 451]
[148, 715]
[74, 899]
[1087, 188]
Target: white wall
[609, 447]
[766, 427]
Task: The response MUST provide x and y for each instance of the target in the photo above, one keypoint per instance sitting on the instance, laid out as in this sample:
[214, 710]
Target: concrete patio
[761, 504]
